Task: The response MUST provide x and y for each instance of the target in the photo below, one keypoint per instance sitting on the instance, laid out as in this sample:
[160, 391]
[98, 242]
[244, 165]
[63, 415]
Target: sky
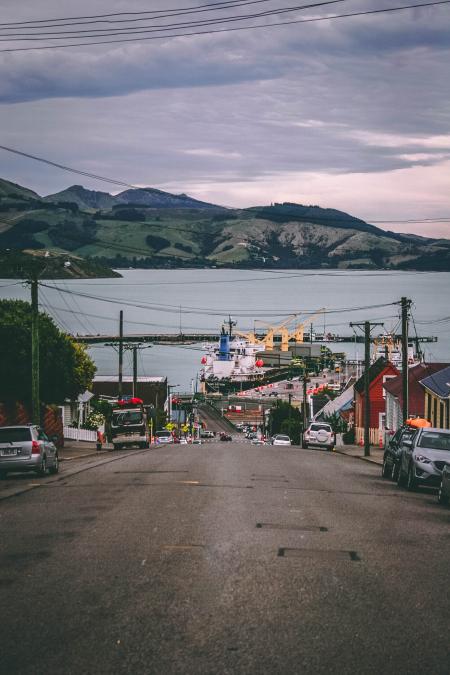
[351, 113]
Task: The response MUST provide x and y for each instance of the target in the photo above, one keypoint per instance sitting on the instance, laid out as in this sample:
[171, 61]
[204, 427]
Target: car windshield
[435, 440]
[15, 435]
[127, 417]
[283, 438]
[320, 427]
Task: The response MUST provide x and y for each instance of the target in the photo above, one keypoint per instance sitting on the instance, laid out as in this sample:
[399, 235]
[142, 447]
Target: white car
[319, 435]
[280, 439]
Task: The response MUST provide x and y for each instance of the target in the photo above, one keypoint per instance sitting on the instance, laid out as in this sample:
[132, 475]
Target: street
[222, 558]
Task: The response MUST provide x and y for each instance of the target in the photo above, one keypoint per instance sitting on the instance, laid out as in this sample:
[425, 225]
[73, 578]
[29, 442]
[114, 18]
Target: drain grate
[286, 526]
[318, 554]
[271, 479]
[154, 471]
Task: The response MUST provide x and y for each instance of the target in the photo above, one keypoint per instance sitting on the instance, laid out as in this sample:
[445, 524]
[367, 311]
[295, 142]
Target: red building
[379, 372]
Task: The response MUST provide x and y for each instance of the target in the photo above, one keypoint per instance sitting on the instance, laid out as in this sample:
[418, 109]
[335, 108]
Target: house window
[428, 406]
[441, 415]
[434, 421]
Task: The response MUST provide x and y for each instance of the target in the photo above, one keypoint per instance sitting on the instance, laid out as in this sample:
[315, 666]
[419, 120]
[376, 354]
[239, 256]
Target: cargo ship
[232, 360]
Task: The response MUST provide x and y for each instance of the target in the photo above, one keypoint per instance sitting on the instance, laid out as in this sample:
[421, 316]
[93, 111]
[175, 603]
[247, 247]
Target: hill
[145, 227]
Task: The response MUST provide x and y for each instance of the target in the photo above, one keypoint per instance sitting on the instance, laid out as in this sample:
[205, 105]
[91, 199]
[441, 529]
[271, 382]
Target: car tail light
[35, 448]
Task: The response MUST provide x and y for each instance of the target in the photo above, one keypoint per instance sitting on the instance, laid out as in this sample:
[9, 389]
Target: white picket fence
[79, 434]
[375, 436]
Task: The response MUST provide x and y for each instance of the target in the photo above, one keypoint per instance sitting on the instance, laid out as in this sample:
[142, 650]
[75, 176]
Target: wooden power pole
[35, 388]
[406, 304]
[367, 326]
[120, 388]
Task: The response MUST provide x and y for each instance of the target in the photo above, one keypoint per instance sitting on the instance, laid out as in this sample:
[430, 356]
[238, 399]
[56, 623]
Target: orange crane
[298, 333]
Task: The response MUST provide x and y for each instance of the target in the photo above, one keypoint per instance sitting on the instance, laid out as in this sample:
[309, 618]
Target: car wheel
[411, 483]
[385, 470]
[42, 470]
[330, 448]
[55, 467]
[3, 474]
[442, 498]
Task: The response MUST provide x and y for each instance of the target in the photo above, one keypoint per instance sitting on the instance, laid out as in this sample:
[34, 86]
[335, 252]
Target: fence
[79, 434]
[375, 436]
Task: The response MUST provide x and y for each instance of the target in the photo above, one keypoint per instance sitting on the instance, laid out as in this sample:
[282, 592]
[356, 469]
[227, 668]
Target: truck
[129, 424]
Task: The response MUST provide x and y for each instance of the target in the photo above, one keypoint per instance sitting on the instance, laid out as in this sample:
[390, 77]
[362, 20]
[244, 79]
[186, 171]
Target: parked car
[164, 436]
[423, 458]
[27, 448]
[444, 488]
[257, 441]
[206, 433]
[280, 439]
[392, 452]
[225, 437]
[319, 434]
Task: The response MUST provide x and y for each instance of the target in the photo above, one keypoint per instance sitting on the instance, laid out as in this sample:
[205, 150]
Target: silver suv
[423, 458]
[319, 434]
[27, 448]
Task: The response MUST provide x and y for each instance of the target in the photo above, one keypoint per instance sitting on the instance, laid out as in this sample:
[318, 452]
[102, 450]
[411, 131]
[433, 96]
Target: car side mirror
[407, 443]
[54, 439]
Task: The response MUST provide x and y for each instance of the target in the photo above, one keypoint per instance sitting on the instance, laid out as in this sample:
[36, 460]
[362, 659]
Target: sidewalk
[376, 454]
[80, 449]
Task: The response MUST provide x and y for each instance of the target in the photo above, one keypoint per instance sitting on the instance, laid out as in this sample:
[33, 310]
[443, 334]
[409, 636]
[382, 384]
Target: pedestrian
[100, 439]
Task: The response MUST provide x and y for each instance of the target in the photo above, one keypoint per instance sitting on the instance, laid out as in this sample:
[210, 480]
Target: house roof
[439, 383]
[374, 371]
[416, 393]
[341, 402]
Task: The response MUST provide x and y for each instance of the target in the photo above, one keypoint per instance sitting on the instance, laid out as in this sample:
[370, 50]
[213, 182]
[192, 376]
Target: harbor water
[187, 300]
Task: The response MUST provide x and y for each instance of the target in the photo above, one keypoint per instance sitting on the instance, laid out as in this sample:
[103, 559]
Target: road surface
[222, 558]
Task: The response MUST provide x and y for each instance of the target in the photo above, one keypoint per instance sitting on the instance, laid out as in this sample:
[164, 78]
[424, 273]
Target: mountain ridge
[146, 227]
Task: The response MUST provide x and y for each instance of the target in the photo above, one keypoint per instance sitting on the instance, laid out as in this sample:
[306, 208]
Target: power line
[233, 29]
[132, 30]
[212, 6]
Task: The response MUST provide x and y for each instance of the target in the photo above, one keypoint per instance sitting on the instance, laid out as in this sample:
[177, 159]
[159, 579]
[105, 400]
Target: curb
[371, 460]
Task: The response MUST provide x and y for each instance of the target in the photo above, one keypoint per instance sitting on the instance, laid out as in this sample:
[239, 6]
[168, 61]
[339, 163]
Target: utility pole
[367, 325]
[120, 354]
[134, 370]
[406, 304]
[305, 403]
[35, 390]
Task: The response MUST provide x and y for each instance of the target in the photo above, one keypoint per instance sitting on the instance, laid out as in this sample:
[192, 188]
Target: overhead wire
[134, 30]
[230, 29]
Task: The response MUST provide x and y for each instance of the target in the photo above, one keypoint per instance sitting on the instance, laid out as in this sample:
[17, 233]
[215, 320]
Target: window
[13, 435]
[435, 440]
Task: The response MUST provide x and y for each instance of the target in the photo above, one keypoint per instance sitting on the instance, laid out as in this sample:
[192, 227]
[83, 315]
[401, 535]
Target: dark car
[444, 488]
[391, 457]
[27, 448]
[225, 437]
[423, 458]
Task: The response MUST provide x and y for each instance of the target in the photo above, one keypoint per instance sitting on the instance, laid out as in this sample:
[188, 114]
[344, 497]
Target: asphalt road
[222, 558]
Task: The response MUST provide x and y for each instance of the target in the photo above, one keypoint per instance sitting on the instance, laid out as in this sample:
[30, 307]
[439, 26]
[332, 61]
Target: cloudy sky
[351, 113]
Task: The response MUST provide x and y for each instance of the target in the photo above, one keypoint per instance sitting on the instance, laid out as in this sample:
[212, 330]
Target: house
[416, 394]
[77, 411]
[152, 390]
[340, 405]
[437, 398]
[380, 371]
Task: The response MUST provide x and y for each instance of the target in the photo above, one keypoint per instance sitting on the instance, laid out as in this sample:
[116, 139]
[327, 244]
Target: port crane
[281, 329]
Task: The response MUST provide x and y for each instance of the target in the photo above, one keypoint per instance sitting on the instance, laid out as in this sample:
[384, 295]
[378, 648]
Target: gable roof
[415, 375]
[439, 383]
[374, 371]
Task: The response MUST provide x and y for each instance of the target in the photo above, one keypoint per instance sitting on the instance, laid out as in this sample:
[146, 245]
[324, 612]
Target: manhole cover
[286, 526]
[318, 554]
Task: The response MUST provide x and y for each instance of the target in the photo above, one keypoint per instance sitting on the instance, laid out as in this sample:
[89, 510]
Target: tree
[65, 367]
[286, 419]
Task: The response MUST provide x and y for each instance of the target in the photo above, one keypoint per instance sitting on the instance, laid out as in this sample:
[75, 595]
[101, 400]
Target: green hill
[151, 228]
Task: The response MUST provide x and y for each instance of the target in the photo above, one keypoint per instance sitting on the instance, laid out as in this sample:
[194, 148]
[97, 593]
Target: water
[198, 300]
